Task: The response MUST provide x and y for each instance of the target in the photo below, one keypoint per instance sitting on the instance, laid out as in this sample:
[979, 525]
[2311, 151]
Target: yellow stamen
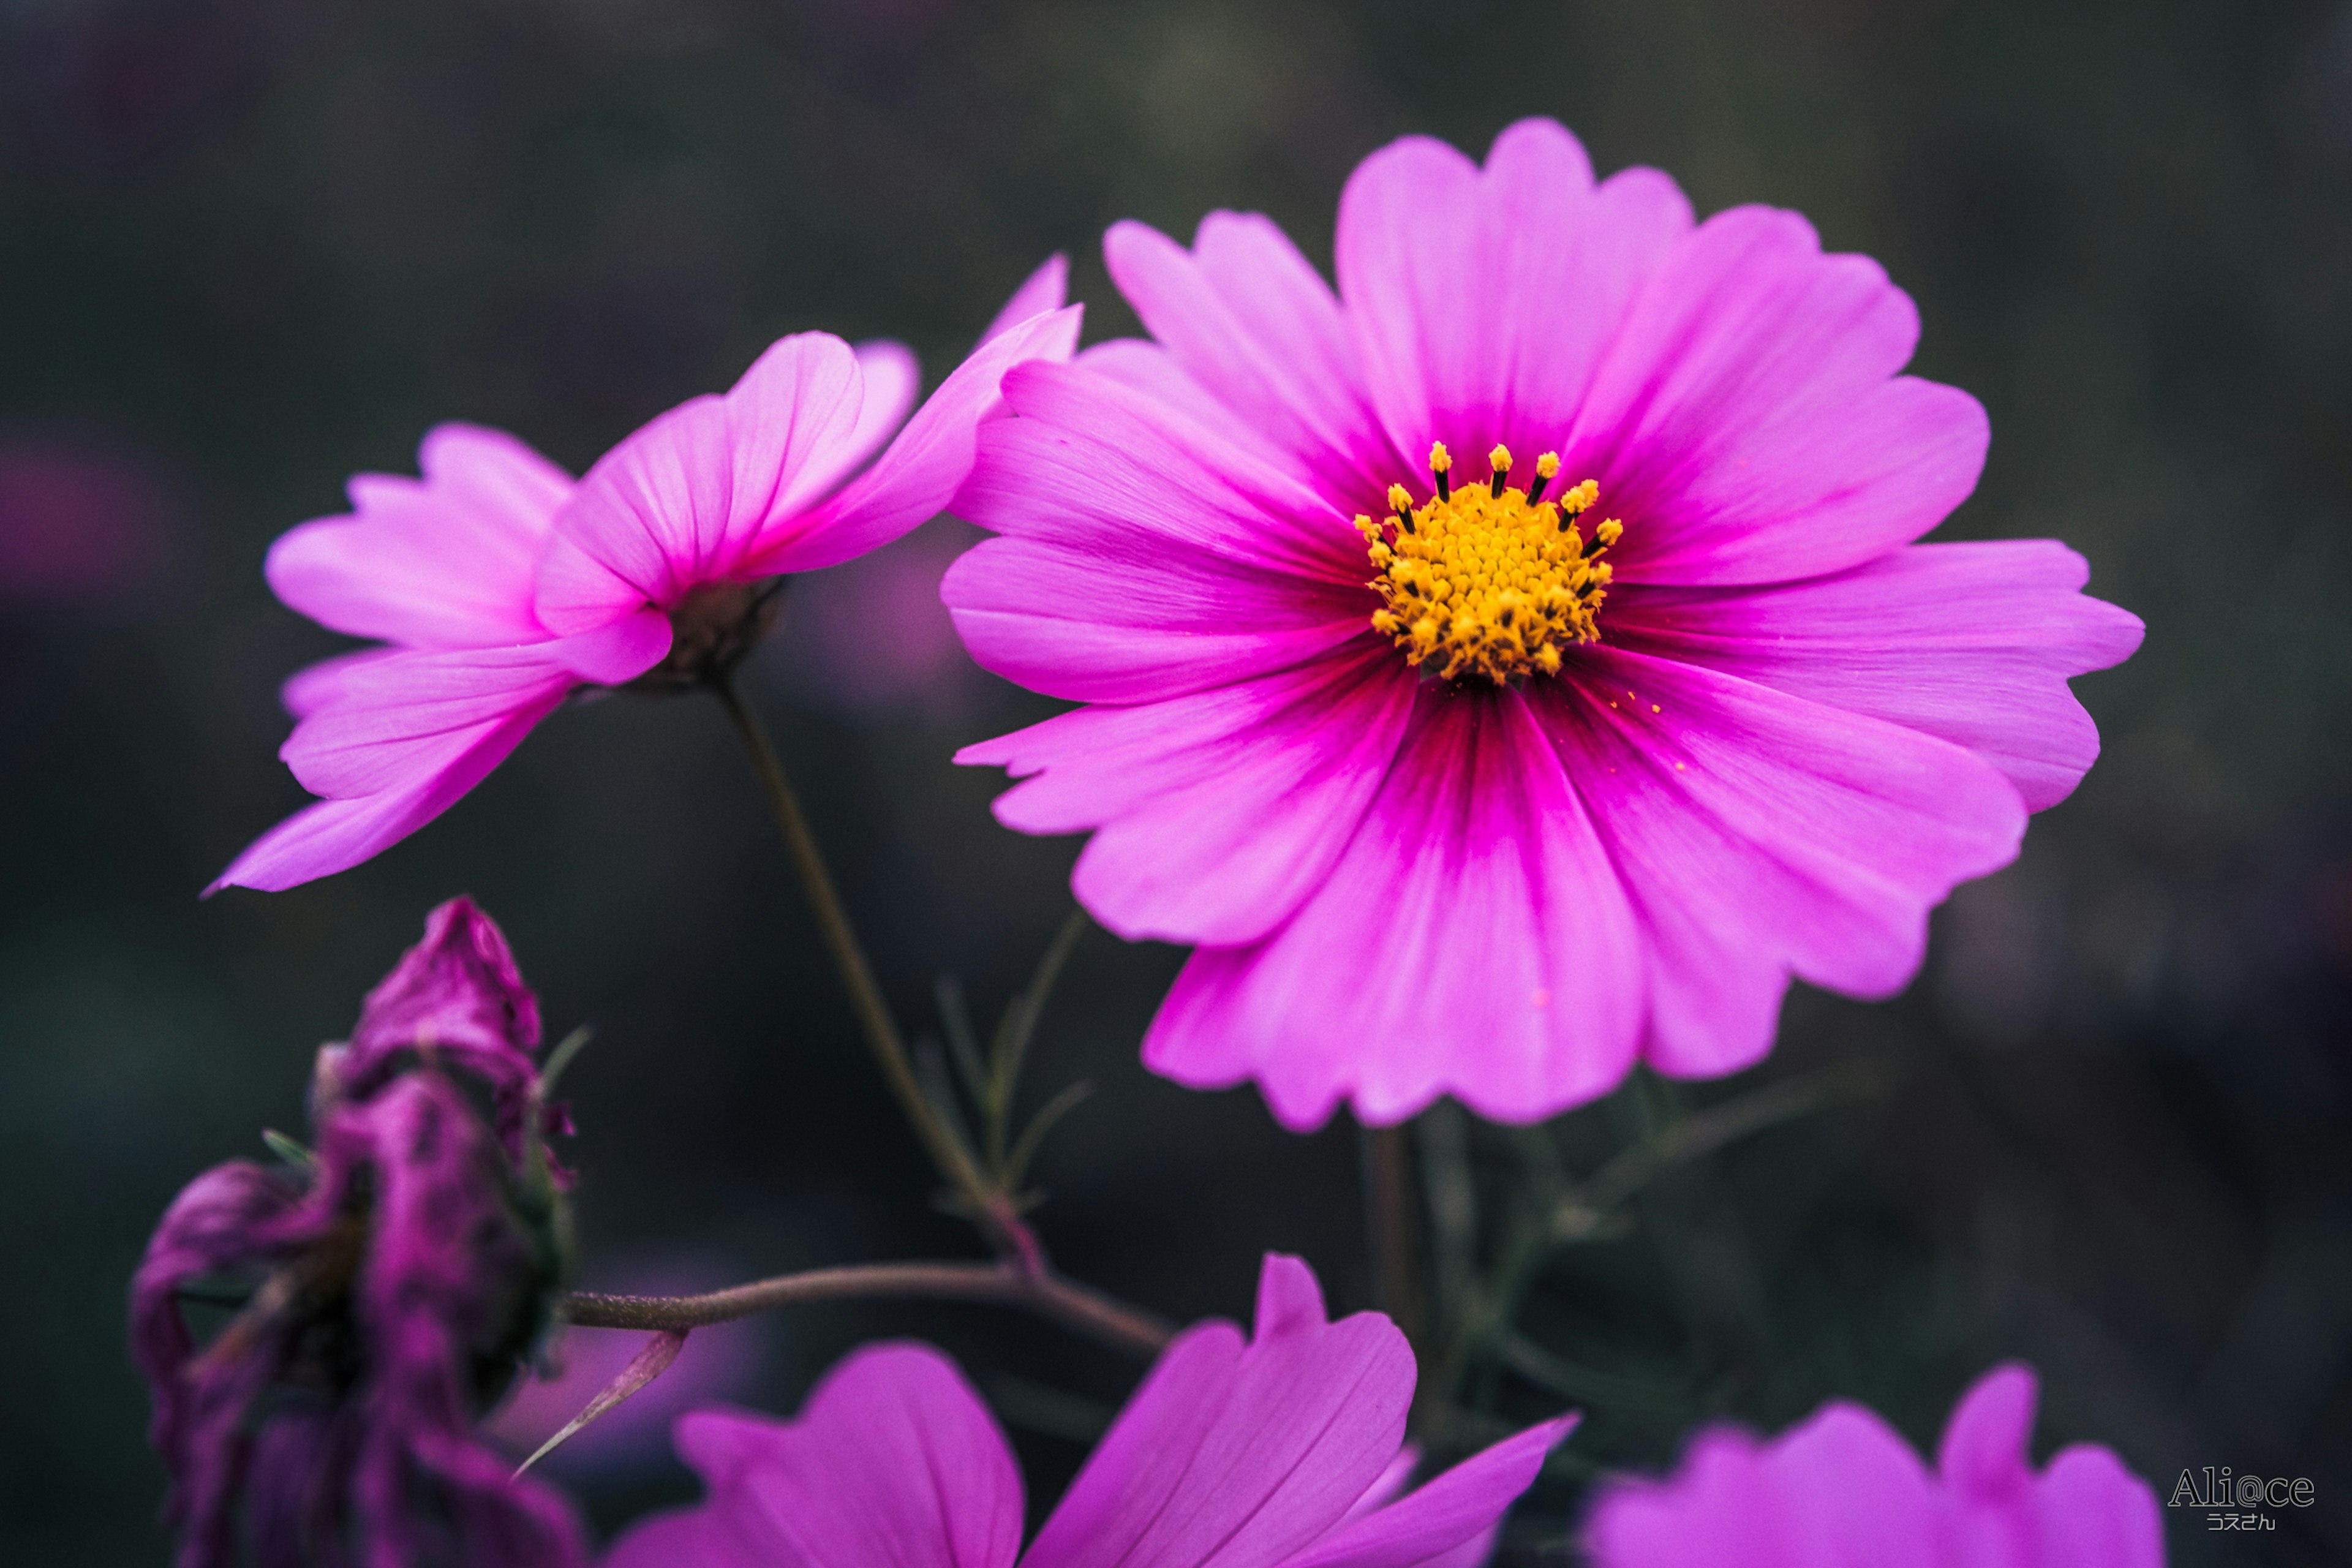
[1490, 581]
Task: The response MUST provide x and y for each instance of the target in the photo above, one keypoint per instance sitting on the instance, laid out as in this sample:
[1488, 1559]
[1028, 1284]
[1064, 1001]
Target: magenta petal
[1144, 367]
[918, 477]
[890, 379]
[1972, 642]
[1043, 290]
[313, 685]
[1485, 299]
[397, 741]
[893, 1461]
[2091, 1513]
[1983, 1448]
[1234, 1457]
[1456, 1510]
[1139, 557]
[1760, 835]
[1247, 316]
[1378, 991]
[683, 500]
[686, 1538]
[394, 723]
[1746, 422]
[440, 562]
[1844, 1490]
[1219, 810]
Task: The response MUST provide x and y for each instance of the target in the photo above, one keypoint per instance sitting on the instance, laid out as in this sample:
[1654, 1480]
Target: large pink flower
[1285, 1450]
[501, 585]
[1490, 786]
[1844, 1490]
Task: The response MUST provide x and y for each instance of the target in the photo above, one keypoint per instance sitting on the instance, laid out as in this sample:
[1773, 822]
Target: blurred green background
[246, 249]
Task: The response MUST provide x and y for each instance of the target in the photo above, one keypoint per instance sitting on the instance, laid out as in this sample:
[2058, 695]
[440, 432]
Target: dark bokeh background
[248, 248]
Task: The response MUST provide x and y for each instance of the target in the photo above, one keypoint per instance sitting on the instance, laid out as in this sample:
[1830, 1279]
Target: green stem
[873, 1018]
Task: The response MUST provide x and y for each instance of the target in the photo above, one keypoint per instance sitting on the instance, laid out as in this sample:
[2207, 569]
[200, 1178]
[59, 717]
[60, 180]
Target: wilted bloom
[502, 585]
[1844, 1490]
[1285, 1450]
[1518, 663]
[380, 1292]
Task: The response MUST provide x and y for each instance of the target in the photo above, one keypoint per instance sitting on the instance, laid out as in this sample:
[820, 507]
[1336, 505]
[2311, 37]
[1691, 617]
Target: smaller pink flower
[1844, 1490]
[500, 585]
[1284, 1450]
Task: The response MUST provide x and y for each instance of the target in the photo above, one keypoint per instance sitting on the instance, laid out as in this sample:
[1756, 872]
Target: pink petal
[1145, 367]
[684, 1538]
[1289, 1300]
[1759, 835]
[1851, 1491]
[2093, 1513]
[1746, 422]
[1484, 300]
[1970, 642]
[314, 685]
[440, 562]
[1247, 316]
[393, 744]
[1218, 810]
[1043, 291]
[1983, 1449]
[1474, 939]
[1458, 1508]
[390, 721]
[891, 377]
[1234, 1457]
[683, 501]
[1140, 558]
[918, 477]
[1716, 1512]
[893, 1461]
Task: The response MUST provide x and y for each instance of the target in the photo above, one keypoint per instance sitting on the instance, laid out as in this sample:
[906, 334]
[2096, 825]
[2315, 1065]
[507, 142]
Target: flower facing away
[500, 585]
[1844, 1490]
[1285, 1449]
[1519, 662]
[380, 1292]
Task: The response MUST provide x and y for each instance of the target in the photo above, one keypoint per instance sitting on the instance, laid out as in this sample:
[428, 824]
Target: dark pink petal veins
[1219, 810]
[1483, 300]
[1474, 938]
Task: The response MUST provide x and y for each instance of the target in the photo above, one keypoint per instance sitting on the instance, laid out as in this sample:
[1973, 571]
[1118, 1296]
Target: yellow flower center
[1490, 580]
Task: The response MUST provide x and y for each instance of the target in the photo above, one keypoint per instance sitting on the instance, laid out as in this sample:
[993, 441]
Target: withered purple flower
[379, 1293]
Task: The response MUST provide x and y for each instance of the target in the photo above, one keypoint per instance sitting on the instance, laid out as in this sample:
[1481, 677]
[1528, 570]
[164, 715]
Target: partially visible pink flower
[1518, 664]
[1844, 1490]
[872, 638]
[1284, 1450]
[79, 523]
[501, 585]
[384, 1293]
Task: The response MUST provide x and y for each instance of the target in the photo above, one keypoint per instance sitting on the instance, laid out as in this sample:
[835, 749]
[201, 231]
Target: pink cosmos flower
[384, 1292]
[1456, 789]
[501, 585]
[1285, 1450]
[1844, 1490]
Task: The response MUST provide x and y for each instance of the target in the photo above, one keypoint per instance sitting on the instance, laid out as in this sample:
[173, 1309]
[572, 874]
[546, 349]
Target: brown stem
[1075, 1306]
[986, 1206]
[1388, 1202]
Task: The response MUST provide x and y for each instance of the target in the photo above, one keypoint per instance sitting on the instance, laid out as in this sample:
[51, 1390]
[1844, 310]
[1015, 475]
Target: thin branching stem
[1073, 1305]
[874, 1018]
